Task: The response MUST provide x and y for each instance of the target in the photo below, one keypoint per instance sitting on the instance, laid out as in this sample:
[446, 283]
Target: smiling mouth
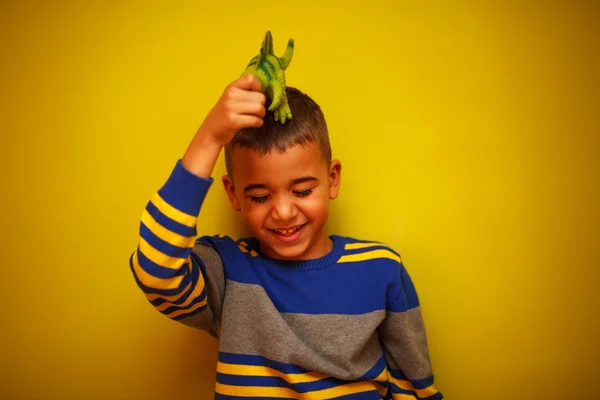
[287, 231]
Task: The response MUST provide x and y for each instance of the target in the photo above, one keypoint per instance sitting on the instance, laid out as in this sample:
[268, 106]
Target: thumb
[248, 82]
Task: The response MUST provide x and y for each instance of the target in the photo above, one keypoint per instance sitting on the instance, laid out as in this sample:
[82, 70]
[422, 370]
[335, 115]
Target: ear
[230, 190]
[335, 177]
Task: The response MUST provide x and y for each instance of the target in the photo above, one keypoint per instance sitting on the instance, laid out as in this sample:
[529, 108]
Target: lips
[288, 231]
[288, 235]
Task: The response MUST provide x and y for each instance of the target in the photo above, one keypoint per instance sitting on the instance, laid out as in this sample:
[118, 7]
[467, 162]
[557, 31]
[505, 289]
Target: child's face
[284, 199]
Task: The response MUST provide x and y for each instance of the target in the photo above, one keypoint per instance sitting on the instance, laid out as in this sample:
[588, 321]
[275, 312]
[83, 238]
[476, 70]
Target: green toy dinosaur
[270, 72]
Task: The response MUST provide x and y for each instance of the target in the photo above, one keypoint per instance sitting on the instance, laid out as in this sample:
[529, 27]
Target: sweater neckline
[317, 263]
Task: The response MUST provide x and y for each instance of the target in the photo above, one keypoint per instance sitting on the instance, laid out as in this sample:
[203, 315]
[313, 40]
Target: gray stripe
[342, 346]
[210, 319]
[403, 336]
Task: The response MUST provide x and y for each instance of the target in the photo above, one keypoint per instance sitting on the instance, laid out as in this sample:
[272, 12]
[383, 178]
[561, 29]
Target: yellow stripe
[197, 291]
[256, 370]
[406, 385]
[382, 377]
[259, 370]
[369, 255]
[154, 296]
[354, 246]
[168, 236]
[381, 389]
[243, 248]
[350, 388]
[278, 392]
[264, 391]
[402, 396]
[151, 280]
[160, 258]
[175, 297]
[173, 213]
[179, 312]
[242, 243]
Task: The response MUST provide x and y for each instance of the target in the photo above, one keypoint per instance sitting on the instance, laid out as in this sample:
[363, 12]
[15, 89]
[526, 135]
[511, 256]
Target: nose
[284, 209]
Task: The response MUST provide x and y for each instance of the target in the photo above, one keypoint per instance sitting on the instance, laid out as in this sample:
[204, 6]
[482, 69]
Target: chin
[289, 253]
[283, 252]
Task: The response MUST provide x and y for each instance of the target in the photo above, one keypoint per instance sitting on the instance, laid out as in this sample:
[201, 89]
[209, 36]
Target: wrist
[201, 155]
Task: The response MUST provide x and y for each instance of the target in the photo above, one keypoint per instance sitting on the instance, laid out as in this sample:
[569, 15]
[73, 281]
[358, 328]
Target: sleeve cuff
[184, 190]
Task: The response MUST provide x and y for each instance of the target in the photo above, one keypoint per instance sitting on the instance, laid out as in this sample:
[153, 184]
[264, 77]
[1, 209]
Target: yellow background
[469, 141]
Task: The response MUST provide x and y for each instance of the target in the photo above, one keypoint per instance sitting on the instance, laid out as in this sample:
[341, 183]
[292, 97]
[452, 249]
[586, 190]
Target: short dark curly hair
[306, 126]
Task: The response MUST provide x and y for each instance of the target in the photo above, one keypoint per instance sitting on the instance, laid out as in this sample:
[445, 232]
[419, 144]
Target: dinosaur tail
[287, 56]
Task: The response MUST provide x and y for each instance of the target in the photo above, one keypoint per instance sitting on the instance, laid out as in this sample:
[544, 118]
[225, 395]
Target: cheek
[317, 207]
[253, 215]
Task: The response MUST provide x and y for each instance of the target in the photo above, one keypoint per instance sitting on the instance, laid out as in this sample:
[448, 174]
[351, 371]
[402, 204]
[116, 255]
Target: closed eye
[303, 193]
[259, 199]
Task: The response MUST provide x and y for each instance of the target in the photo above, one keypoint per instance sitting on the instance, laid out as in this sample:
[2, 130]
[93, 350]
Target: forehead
[275, 167]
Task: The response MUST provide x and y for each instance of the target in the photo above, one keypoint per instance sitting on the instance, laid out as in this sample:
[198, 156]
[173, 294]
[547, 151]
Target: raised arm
[182, 279]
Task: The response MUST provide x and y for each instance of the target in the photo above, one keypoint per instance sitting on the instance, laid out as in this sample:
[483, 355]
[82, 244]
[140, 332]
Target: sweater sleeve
[405, 343]
[180, 277]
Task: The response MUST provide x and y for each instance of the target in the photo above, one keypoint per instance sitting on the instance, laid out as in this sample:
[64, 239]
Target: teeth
[287, 231]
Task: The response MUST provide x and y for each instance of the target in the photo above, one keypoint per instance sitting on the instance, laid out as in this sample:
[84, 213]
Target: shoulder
[228, 247]
[365, 249]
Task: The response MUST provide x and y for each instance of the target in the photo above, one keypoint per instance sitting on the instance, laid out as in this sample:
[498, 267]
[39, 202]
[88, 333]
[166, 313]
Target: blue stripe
[193, 277]
[370, 395]
[417, 383]
[163, 292]
[368, 249]
[412, 299]
[198, 299]
[149, 290]
[376, 370]
[422, 383]
[184, 190]
[162, 245]
[398, 374]
[195, 312]
[349, 288]
[245, 359]
[158, 270]
[275, 381]
[168, 223]
[226, 397]
[396, 389]
[198, 262]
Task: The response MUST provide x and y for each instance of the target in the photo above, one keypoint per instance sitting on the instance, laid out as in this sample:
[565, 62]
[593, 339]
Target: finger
[248, 82]
[252, 108]
[246, 95]
[248, 121]
[249, 108]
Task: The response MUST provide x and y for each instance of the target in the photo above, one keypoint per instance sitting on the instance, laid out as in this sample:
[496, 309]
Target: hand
[242, 105]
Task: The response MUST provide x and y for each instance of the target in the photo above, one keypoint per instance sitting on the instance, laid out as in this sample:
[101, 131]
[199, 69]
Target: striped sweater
[346, 325]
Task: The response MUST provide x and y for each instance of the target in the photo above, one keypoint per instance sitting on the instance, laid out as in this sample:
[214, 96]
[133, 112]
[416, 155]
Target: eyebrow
[294, 182]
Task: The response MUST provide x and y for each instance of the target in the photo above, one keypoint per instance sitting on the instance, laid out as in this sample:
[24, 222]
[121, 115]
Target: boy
[298, 314]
